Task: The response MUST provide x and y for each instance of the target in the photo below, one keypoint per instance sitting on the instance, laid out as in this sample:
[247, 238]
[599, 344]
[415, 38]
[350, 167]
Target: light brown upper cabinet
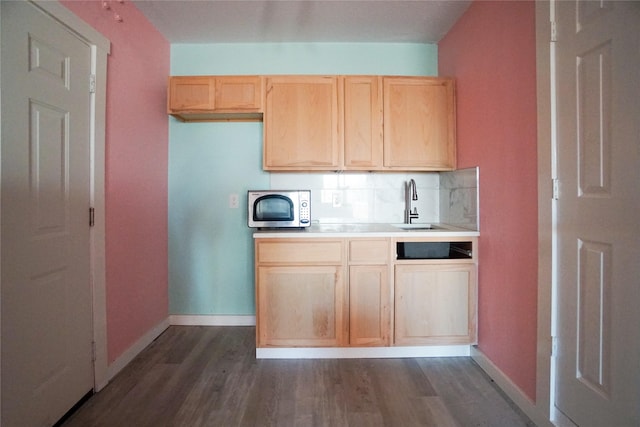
[362, 122]
[301, 123]
[359, 123]
[323, 123]
[211, 98]
[419, 123]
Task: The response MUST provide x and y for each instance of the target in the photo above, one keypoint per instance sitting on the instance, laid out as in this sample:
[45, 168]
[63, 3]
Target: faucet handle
[413, 214]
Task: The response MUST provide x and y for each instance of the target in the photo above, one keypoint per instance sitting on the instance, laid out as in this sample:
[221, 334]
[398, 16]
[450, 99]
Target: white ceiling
[257, 21]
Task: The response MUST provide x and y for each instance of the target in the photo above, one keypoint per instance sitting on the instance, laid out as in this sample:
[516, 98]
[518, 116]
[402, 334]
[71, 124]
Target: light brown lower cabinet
[326, 292]
[300, 306]
[435, 304]
[300, 293]
[369, 293]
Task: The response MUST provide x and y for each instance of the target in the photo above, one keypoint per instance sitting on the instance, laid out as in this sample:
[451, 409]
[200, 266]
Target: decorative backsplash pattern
[343, 198]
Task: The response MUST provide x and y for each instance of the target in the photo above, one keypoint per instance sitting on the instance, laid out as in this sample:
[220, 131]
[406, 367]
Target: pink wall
[136, 172]
[491, 52]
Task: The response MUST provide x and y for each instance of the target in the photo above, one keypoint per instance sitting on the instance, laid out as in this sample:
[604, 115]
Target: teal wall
[210, 246]
[305, 58]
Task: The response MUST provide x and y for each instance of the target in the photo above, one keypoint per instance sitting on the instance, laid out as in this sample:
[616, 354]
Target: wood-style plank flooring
[209, 376]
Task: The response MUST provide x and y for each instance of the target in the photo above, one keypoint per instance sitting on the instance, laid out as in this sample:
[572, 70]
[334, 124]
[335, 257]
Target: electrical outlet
[233, 201]
[337, 199]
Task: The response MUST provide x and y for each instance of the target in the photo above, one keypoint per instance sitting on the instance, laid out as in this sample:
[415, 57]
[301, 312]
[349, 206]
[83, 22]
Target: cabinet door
[301, 129]
[239, 93]
[419, 123]
[300, 306]
[369, 305]
[191, 93]
[363, 122]
[435, 304]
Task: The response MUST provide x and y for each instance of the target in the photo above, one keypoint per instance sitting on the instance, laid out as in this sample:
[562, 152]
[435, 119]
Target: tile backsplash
[459, 202]
[379, 197]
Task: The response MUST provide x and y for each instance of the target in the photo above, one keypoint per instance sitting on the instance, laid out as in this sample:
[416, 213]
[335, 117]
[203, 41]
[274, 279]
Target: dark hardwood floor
[209, 376]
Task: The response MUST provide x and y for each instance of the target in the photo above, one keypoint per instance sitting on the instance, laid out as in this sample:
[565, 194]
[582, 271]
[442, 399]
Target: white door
[46, 294]
[598, 212]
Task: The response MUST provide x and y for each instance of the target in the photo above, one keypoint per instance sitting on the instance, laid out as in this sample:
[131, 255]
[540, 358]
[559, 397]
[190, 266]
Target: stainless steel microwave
[279, 208]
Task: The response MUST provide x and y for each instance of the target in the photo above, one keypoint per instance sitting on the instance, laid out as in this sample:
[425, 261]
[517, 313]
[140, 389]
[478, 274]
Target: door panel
[46, 295]
[598, 288]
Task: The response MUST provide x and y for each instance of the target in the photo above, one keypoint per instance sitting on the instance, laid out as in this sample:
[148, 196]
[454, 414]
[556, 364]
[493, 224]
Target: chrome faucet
[410, 193]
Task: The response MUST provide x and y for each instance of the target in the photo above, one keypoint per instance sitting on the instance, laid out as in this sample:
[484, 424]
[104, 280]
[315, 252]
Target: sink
[415, 226]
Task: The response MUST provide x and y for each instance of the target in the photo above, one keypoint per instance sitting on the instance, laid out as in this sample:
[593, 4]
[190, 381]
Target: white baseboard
[538, 415]
[212, 320]
[129, 354]
[125, 358]
[362, 352]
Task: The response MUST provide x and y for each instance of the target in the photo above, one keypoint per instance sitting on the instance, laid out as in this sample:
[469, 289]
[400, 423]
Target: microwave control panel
[305, 211]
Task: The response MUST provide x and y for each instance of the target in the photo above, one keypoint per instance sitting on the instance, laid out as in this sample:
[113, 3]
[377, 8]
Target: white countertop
[367, 230]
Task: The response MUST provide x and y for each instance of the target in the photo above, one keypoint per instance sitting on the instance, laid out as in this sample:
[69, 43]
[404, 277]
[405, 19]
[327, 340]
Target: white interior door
[598, 212]
[46, 291]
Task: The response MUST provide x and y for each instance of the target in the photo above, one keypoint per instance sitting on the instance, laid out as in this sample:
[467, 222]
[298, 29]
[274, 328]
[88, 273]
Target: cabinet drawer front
[308, 251]
[369, 251]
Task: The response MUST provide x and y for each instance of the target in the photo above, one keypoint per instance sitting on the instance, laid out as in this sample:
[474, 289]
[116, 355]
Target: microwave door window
[273, 208]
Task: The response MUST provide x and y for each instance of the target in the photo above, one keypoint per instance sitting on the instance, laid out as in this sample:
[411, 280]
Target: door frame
[546, 174]
[547, 235]
[100, 47]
